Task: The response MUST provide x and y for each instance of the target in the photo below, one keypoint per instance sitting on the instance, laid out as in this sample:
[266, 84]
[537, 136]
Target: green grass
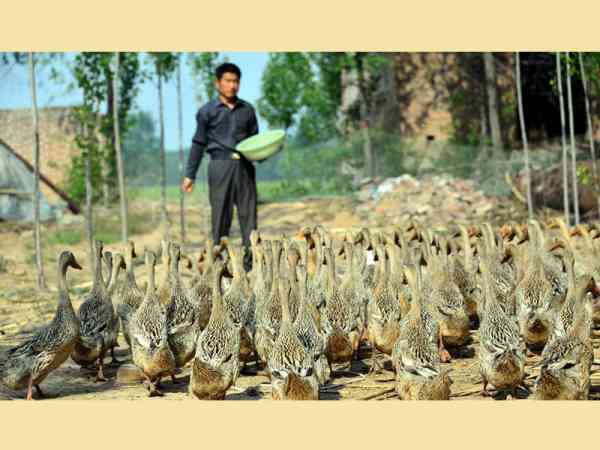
[66, 236]
[268, 191]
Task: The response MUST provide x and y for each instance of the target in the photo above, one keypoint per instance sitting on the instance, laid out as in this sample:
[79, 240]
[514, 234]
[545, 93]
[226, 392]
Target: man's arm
[252, 124]
[199, 142]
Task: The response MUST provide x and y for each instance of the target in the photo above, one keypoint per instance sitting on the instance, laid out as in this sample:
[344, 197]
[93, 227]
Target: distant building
[57, 127]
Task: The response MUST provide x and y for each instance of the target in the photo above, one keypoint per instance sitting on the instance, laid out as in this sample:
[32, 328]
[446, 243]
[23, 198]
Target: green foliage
[94, 76]
[303, 91]
[203, 66]
[164, 63]
[584, 174]
[89, 145]
[140, 146]
[286, 78]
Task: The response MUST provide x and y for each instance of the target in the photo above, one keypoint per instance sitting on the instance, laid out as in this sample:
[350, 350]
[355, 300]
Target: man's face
[229, 85]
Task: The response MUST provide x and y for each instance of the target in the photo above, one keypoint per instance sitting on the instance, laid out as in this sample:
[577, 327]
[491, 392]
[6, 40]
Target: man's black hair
[229, 68]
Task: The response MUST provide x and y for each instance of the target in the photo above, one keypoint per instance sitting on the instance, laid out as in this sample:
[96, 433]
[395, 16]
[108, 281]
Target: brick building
[57, 141]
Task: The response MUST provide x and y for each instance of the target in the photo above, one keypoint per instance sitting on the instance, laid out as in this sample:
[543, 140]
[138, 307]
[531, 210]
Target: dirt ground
[22, 310]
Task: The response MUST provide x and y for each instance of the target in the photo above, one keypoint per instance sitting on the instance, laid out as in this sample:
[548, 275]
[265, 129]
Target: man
[221, 124]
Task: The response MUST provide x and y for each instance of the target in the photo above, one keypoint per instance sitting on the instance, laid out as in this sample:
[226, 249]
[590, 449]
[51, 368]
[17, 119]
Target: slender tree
[563, 137]
[165, 64]
[119, 153]
[163, 164]
[524, 137]
[572, 139]
[41, 281]
[492, 97]
[590, 129]
[181, 154]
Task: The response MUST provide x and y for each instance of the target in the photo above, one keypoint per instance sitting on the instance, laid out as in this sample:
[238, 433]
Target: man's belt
[223, 155]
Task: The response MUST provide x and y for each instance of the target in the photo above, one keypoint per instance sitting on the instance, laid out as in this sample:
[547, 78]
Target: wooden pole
[573, 149]
[163, 167]
[524, 137]
[181, 154]
[590, 130]
[120, 171]
[41, 281]
[563, 142]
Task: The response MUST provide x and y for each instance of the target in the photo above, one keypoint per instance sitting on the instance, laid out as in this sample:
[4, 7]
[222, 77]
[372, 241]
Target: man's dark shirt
[217, 124]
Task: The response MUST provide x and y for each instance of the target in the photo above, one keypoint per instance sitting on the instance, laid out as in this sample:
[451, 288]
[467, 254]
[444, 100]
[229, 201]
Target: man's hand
[187, 185]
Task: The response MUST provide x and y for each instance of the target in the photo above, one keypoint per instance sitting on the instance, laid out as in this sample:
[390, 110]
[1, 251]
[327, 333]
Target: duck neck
[151, 288]
[129, 264]
[99, 285]
[275, 271]
[116, 270]
[217, 296]
[64, 300]
[285, 307]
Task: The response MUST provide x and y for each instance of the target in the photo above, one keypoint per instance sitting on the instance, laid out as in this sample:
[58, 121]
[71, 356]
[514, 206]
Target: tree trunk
[163, 164]
[573, 149]
[94, 143]
[181, 155]
[41, 281]
[483, 123]
[563, 142]
[590, 130]
[524, 137]
[107, 160]
[364, 118]
[492, 96]
[119, 155]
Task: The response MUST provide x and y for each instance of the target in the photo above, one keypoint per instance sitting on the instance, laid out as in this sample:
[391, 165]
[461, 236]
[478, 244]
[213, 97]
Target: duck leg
[29, 389]
[114, 361]
[444, 355]
[100, 375]
[485, 392]
[153, 390]
[374, 362]
[39, 391]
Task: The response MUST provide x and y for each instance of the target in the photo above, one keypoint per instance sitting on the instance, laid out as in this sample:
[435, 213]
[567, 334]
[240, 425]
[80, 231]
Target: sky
[14, 93]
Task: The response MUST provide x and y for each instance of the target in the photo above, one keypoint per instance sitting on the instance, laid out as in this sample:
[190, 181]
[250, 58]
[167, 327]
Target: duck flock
[411, 295]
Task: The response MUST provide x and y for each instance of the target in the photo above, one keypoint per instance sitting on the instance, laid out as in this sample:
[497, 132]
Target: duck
[28, 364]
[239, 302]
[268, 313]
[339, 318]
[308, 330]
[99, 322]
[384, 312]
[567, 358]
[129, 296]
[216, 365]
[200, 288]
[291, 365]
[416, 357]
[183, 315]
[502, 348]
[540, 293]
[148, 332]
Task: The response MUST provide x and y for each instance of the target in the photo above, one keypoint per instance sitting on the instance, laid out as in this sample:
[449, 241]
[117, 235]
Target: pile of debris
[437, 201]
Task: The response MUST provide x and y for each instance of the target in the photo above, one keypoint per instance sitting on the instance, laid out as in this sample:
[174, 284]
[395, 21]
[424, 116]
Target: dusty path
[22, 310]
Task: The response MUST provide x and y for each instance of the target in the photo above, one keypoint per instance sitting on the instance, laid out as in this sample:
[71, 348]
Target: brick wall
[57, 141]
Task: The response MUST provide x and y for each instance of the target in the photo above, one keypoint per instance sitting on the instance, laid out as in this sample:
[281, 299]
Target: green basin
[262, 145]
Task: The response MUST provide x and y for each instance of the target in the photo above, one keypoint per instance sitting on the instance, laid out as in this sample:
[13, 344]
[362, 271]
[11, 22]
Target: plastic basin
[262, 145]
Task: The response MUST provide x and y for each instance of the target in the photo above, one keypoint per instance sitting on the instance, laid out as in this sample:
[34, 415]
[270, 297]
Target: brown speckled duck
[29, 363]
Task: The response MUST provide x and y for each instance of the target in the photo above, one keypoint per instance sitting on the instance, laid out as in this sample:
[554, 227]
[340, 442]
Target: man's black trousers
[232, 182]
